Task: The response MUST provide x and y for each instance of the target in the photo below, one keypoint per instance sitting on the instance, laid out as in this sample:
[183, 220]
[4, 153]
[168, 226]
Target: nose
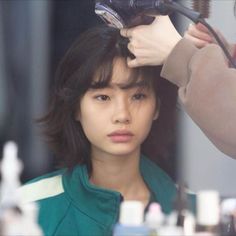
[121, 113]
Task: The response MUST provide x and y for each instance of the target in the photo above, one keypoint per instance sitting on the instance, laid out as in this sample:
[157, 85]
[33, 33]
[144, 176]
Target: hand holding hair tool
[129, 13]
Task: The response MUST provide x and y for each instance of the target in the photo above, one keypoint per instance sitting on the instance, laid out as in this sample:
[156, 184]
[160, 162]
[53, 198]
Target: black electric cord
[196, 17]
[219, 41]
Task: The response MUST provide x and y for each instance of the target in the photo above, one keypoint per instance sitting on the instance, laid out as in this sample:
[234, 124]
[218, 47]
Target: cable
[196, 17]
[221, 44]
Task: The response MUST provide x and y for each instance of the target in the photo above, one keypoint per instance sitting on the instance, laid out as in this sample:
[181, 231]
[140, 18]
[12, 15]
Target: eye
[139, 96]
[102, 97]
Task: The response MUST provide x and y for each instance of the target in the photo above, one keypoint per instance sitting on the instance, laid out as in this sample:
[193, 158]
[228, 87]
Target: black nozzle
[153, 7]
[150, 7]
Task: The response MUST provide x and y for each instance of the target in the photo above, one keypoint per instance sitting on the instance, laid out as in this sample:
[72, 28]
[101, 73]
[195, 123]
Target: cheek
[89, 127]
[87, 119]
[150, 111]
[92, 122]
[146, 117]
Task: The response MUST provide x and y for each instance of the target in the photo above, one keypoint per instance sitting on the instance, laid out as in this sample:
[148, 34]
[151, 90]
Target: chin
[122, 151]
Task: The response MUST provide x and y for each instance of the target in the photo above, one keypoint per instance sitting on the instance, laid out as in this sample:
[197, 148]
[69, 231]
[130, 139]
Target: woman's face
[115, 120]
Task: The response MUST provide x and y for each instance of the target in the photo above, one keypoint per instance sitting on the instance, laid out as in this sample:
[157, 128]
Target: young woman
[101, 114]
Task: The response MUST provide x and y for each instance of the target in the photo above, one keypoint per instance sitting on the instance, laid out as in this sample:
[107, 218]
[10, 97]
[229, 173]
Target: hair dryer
[129, 13]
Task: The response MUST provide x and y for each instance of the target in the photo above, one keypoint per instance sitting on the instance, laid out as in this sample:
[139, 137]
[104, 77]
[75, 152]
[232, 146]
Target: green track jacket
[70, 206]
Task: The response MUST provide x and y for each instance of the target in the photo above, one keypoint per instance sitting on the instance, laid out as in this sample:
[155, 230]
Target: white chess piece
[11, 167]
[15, 218]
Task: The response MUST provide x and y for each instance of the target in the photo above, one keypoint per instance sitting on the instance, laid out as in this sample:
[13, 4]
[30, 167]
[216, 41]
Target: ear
[157, 112]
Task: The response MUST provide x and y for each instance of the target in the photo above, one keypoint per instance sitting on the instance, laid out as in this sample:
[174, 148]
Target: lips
[120, 136]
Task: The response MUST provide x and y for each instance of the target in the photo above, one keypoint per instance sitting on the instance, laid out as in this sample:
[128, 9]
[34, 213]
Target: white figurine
[11, 167]
[15, 218]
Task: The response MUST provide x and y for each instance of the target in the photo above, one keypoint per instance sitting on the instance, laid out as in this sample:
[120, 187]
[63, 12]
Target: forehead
[121, 72]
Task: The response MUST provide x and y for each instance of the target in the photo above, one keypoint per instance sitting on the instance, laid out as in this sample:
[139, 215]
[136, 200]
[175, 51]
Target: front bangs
[142, 76]
[103, 77]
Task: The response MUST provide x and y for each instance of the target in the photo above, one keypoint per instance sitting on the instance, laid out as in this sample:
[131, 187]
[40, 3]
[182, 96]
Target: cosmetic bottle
[208, 213]
[228, 217]
[182, 217]
[131, 220]
[154, 218]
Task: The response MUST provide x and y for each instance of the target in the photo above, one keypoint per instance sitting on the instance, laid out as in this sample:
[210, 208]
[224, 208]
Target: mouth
[120, 136]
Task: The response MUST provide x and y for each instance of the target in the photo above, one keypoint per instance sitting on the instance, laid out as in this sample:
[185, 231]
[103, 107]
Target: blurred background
[34, 35]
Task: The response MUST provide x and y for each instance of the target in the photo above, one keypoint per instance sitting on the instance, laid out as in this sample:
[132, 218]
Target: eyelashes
[135, 97]
[139, 96]
[102, 97]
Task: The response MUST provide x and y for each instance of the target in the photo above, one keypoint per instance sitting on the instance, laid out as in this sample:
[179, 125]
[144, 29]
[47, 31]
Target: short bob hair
[94, 53]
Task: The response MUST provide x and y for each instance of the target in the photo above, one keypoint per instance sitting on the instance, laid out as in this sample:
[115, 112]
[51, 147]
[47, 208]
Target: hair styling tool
[129, 13]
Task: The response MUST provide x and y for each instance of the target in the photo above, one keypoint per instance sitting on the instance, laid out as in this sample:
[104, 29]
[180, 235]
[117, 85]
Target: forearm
[207, 89]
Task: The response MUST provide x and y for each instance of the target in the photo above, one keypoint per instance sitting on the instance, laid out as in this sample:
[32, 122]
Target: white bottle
[208, 212]
[131, 220]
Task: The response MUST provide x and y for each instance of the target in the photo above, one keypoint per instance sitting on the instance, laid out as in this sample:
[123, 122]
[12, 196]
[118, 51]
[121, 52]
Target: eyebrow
[139, 84]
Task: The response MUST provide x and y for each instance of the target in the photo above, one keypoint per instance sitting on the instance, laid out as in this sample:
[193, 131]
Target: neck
[121, 174]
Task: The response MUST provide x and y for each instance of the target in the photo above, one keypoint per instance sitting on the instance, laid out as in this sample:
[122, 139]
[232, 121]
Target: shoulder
[42, 187]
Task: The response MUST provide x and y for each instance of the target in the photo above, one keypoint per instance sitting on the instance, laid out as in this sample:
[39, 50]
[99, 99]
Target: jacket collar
[102, 205]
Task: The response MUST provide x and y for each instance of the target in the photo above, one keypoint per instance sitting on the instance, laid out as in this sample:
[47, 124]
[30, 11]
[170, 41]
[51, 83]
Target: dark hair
[94, 52]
